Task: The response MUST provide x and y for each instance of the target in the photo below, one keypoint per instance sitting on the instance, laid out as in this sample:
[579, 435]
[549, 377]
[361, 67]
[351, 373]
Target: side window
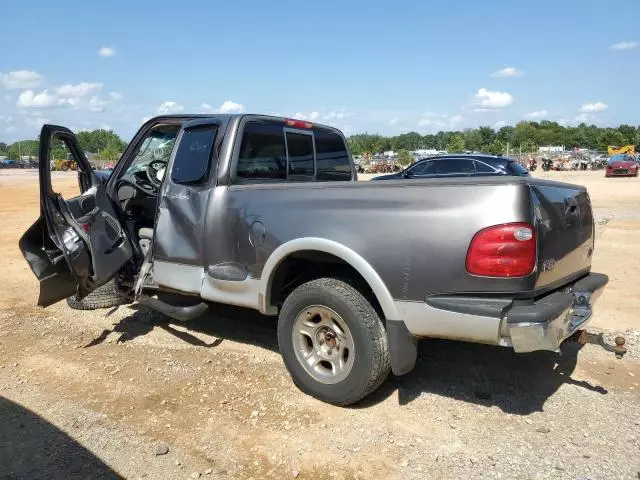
[429, 167]
[455, 166]
[484, 168]
[300, 150]
[193, 157]
[332, 159]
[262, 152]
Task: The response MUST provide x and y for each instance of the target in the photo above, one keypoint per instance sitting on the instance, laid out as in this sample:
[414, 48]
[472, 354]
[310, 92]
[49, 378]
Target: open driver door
[77, 244]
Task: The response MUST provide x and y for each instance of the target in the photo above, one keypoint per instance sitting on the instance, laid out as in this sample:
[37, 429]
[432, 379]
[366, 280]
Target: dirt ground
[101, 394]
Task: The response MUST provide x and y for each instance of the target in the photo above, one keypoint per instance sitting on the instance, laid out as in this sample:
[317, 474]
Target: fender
[334, 248]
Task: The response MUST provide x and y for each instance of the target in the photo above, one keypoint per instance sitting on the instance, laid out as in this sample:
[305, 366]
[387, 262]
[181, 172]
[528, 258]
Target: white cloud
[628, 45]
[499, 124]
[96, 104]
[583, 118]
[36, 121]
[115, 96]
[393, 121]
[562, 121]
[331, 116]
[507, 72]
[300, 116]
[80, 90]
[231, 107]
[486, 99]
[538, 114]
[227, 107]
[5, 118]
[169, 107]
[106, 52]
[593, 107]
[30, 99]
[145, 119]
[441, 121]
[10, 129]
[20, 79]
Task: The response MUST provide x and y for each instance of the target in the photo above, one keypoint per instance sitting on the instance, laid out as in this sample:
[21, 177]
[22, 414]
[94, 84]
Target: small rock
[543, 429]
[208, 471]
[630, 374]
[195, 475]
[177, 463]
[162, 449]
[528, 421]
[14, 365]
[115, 371]
[405, 462]
[295, 474]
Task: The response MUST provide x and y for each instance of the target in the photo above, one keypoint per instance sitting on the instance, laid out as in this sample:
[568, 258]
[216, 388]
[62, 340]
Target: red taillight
[290, 122]
[507, 250]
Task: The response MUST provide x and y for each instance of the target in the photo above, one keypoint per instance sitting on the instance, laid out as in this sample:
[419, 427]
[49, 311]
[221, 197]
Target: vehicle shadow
[31, 447]
[485, 375]
[474, 373]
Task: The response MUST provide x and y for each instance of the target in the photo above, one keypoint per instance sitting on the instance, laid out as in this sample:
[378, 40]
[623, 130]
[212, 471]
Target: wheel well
[306, 265]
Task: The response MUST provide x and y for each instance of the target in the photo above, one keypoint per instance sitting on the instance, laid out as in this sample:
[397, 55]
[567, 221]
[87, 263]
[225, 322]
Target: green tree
[610, 137]
[3, 148]
[496, 147]
[472, 140]
[97, 140]
[404, 157]
[111, 153]
[456, 144]
[507, 134]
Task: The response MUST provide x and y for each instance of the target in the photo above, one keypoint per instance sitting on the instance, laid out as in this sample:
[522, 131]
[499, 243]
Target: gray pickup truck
[266, 213]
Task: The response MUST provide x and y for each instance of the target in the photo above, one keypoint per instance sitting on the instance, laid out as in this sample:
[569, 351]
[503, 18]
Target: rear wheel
[333, 342]
[105, 296]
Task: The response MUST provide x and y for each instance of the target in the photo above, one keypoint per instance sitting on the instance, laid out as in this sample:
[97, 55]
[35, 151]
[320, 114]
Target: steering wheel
[156, 169]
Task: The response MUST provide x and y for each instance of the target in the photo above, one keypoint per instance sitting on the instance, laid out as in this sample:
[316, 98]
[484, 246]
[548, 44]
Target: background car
[457, 165]
[622, 165]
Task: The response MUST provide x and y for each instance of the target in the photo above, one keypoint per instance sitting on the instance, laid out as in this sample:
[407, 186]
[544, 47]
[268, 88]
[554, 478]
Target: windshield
[157, 145]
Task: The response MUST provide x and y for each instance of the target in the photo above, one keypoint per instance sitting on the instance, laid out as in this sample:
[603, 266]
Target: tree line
[103, 144]
[525, 136]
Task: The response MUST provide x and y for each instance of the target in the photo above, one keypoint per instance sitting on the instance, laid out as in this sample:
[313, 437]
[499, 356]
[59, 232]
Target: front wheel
[333, 342]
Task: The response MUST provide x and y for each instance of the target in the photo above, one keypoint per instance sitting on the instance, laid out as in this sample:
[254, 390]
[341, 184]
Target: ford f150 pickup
[266, 213]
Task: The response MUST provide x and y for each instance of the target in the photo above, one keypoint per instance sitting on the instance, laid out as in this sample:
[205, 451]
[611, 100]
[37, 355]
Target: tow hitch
[583, 337]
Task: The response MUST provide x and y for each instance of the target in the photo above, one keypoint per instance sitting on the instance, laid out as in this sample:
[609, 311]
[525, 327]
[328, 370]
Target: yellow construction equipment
[631, 149]
[64, 165]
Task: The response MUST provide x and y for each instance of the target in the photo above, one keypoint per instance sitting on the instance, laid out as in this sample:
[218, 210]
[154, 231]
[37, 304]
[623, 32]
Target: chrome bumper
[552, 319]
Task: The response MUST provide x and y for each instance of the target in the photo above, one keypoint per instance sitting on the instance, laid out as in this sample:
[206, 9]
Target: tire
[322, 308]
[105, 296]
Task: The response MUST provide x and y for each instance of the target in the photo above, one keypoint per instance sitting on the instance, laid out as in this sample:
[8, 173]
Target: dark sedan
[459, 165]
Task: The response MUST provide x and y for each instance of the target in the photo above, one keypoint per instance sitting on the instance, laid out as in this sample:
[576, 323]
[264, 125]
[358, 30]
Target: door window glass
[193, 156]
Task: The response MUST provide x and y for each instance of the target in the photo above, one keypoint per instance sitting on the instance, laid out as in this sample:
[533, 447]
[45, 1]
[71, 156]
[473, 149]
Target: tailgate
[565, 231]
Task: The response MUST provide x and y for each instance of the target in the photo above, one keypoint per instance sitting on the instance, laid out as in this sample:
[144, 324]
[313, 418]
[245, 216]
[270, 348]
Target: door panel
[76, 244]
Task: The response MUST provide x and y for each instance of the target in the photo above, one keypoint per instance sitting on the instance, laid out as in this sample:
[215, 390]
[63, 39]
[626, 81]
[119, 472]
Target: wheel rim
[323, 344]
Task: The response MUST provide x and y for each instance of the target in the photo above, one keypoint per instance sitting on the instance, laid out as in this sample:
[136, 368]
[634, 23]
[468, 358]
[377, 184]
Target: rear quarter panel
[415, 234]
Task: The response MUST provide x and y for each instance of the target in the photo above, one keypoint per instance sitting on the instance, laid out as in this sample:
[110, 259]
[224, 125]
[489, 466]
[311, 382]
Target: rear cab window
[272, 151]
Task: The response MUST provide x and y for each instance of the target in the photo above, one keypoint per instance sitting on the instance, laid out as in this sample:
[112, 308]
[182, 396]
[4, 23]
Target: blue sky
[375, 66]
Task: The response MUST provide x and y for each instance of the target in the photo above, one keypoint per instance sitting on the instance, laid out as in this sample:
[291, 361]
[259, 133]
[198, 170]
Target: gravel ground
[127, 394]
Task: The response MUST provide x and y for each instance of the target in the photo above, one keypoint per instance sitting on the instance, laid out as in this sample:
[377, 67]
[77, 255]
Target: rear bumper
[547, 322]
